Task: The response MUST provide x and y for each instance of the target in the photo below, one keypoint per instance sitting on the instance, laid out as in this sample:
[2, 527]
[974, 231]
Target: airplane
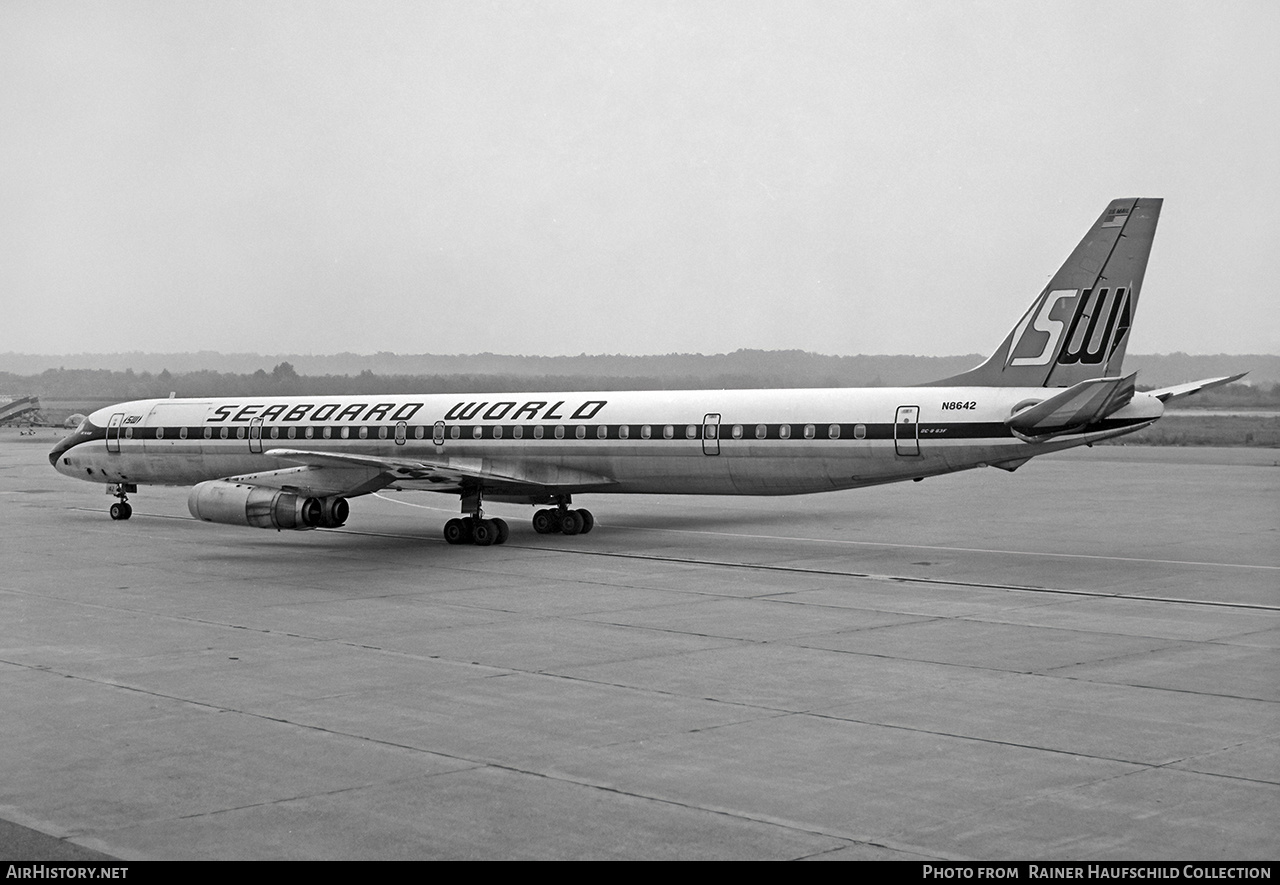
[293, 463]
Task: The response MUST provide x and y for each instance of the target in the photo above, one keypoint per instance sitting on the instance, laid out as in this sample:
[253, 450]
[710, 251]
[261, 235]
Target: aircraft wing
[337, 473]
[1169, 394]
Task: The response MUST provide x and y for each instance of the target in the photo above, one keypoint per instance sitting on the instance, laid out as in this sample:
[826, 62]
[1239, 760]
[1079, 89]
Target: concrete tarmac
[1078, 661]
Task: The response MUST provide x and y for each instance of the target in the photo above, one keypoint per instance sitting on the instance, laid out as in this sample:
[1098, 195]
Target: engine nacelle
[333, 512]
[234, 503]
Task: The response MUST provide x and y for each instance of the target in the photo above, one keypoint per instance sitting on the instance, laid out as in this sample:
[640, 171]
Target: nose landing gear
[121, 510]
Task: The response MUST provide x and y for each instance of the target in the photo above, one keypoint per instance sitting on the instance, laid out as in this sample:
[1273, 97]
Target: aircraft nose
[61, 448]
[57, 452]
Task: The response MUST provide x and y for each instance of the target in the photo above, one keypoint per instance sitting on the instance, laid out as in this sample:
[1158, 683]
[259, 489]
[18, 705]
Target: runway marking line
[901, 579]
[841, 541]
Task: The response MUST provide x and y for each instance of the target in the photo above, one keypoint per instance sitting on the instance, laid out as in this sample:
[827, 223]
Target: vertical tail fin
[1078, 328]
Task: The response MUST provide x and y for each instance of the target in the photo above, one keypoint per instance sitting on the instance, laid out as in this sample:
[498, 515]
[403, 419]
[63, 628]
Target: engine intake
[234, 503]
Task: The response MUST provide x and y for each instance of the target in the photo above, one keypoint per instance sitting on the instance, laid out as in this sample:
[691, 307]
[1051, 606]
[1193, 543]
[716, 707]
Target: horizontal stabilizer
[1077, 406]
[1169, 394]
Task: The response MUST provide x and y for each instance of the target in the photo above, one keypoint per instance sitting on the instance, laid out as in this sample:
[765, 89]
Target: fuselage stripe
[727, 434]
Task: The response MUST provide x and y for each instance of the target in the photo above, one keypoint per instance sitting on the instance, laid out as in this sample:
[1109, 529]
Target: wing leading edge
[335, 473]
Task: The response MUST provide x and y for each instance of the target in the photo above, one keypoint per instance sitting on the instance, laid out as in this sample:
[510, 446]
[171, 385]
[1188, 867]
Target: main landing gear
[474, 528]
[563, 521]
[121, 510]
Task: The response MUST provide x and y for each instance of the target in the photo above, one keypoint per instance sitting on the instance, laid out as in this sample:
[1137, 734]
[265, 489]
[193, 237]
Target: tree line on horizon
[284, 380]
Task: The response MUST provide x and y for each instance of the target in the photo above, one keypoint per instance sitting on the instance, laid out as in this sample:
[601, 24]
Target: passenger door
[711, 433]
[113, 432]
[906, 430]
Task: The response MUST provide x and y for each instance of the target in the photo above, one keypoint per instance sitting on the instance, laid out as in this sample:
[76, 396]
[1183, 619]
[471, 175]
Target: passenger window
[363, 432]
[517, 432]
[293, 432]
[310, 432]
[833, 431]
[784, 431]
[208, 433]
[345, 433]
[602, 432]
[455, 431]
[736, 432]
[580, 431]
[646, 431]
[810, 431]
[497, 431]
[182, 433]
[691, 431]
[537, 431]
[624, 431]
[668, 432]
[275, 433]
[159, 433]
[762, 431]
[559, 431]
[226, 433]
[382, 433]
[859, 431]
[477, 432]
[326, 432]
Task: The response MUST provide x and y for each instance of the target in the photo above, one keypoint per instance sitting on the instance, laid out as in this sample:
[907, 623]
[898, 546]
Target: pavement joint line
[474, 764]
[909, 579]
[849, 543]
[1207, 694]
[777, 713]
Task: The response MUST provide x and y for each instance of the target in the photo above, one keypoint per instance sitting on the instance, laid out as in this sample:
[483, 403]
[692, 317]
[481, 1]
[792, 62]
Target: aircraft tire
[570, 522]
[504, 531]
[121, 510]
[588, 521]
[543, 523]
[455, 531]
[484, 532]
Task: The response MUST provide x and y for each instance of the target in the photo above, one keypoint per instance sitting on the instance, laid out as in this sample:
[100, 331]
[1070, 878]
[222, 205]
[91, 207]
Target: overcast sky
[565, 177]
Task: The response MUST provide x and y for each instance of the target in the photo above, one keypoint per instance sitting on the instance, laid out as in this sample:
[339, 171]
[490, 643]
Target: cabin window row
[652, 431]
[241, 432]
[539, 431]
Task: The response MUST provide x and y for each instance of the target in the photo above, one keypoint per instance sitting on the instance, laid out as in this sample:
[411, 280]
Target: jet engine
[235, 503]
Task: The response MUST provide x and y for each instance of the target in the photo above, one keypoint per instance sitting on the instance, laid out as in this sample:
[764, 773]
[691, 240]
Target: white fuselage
[729, 442]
